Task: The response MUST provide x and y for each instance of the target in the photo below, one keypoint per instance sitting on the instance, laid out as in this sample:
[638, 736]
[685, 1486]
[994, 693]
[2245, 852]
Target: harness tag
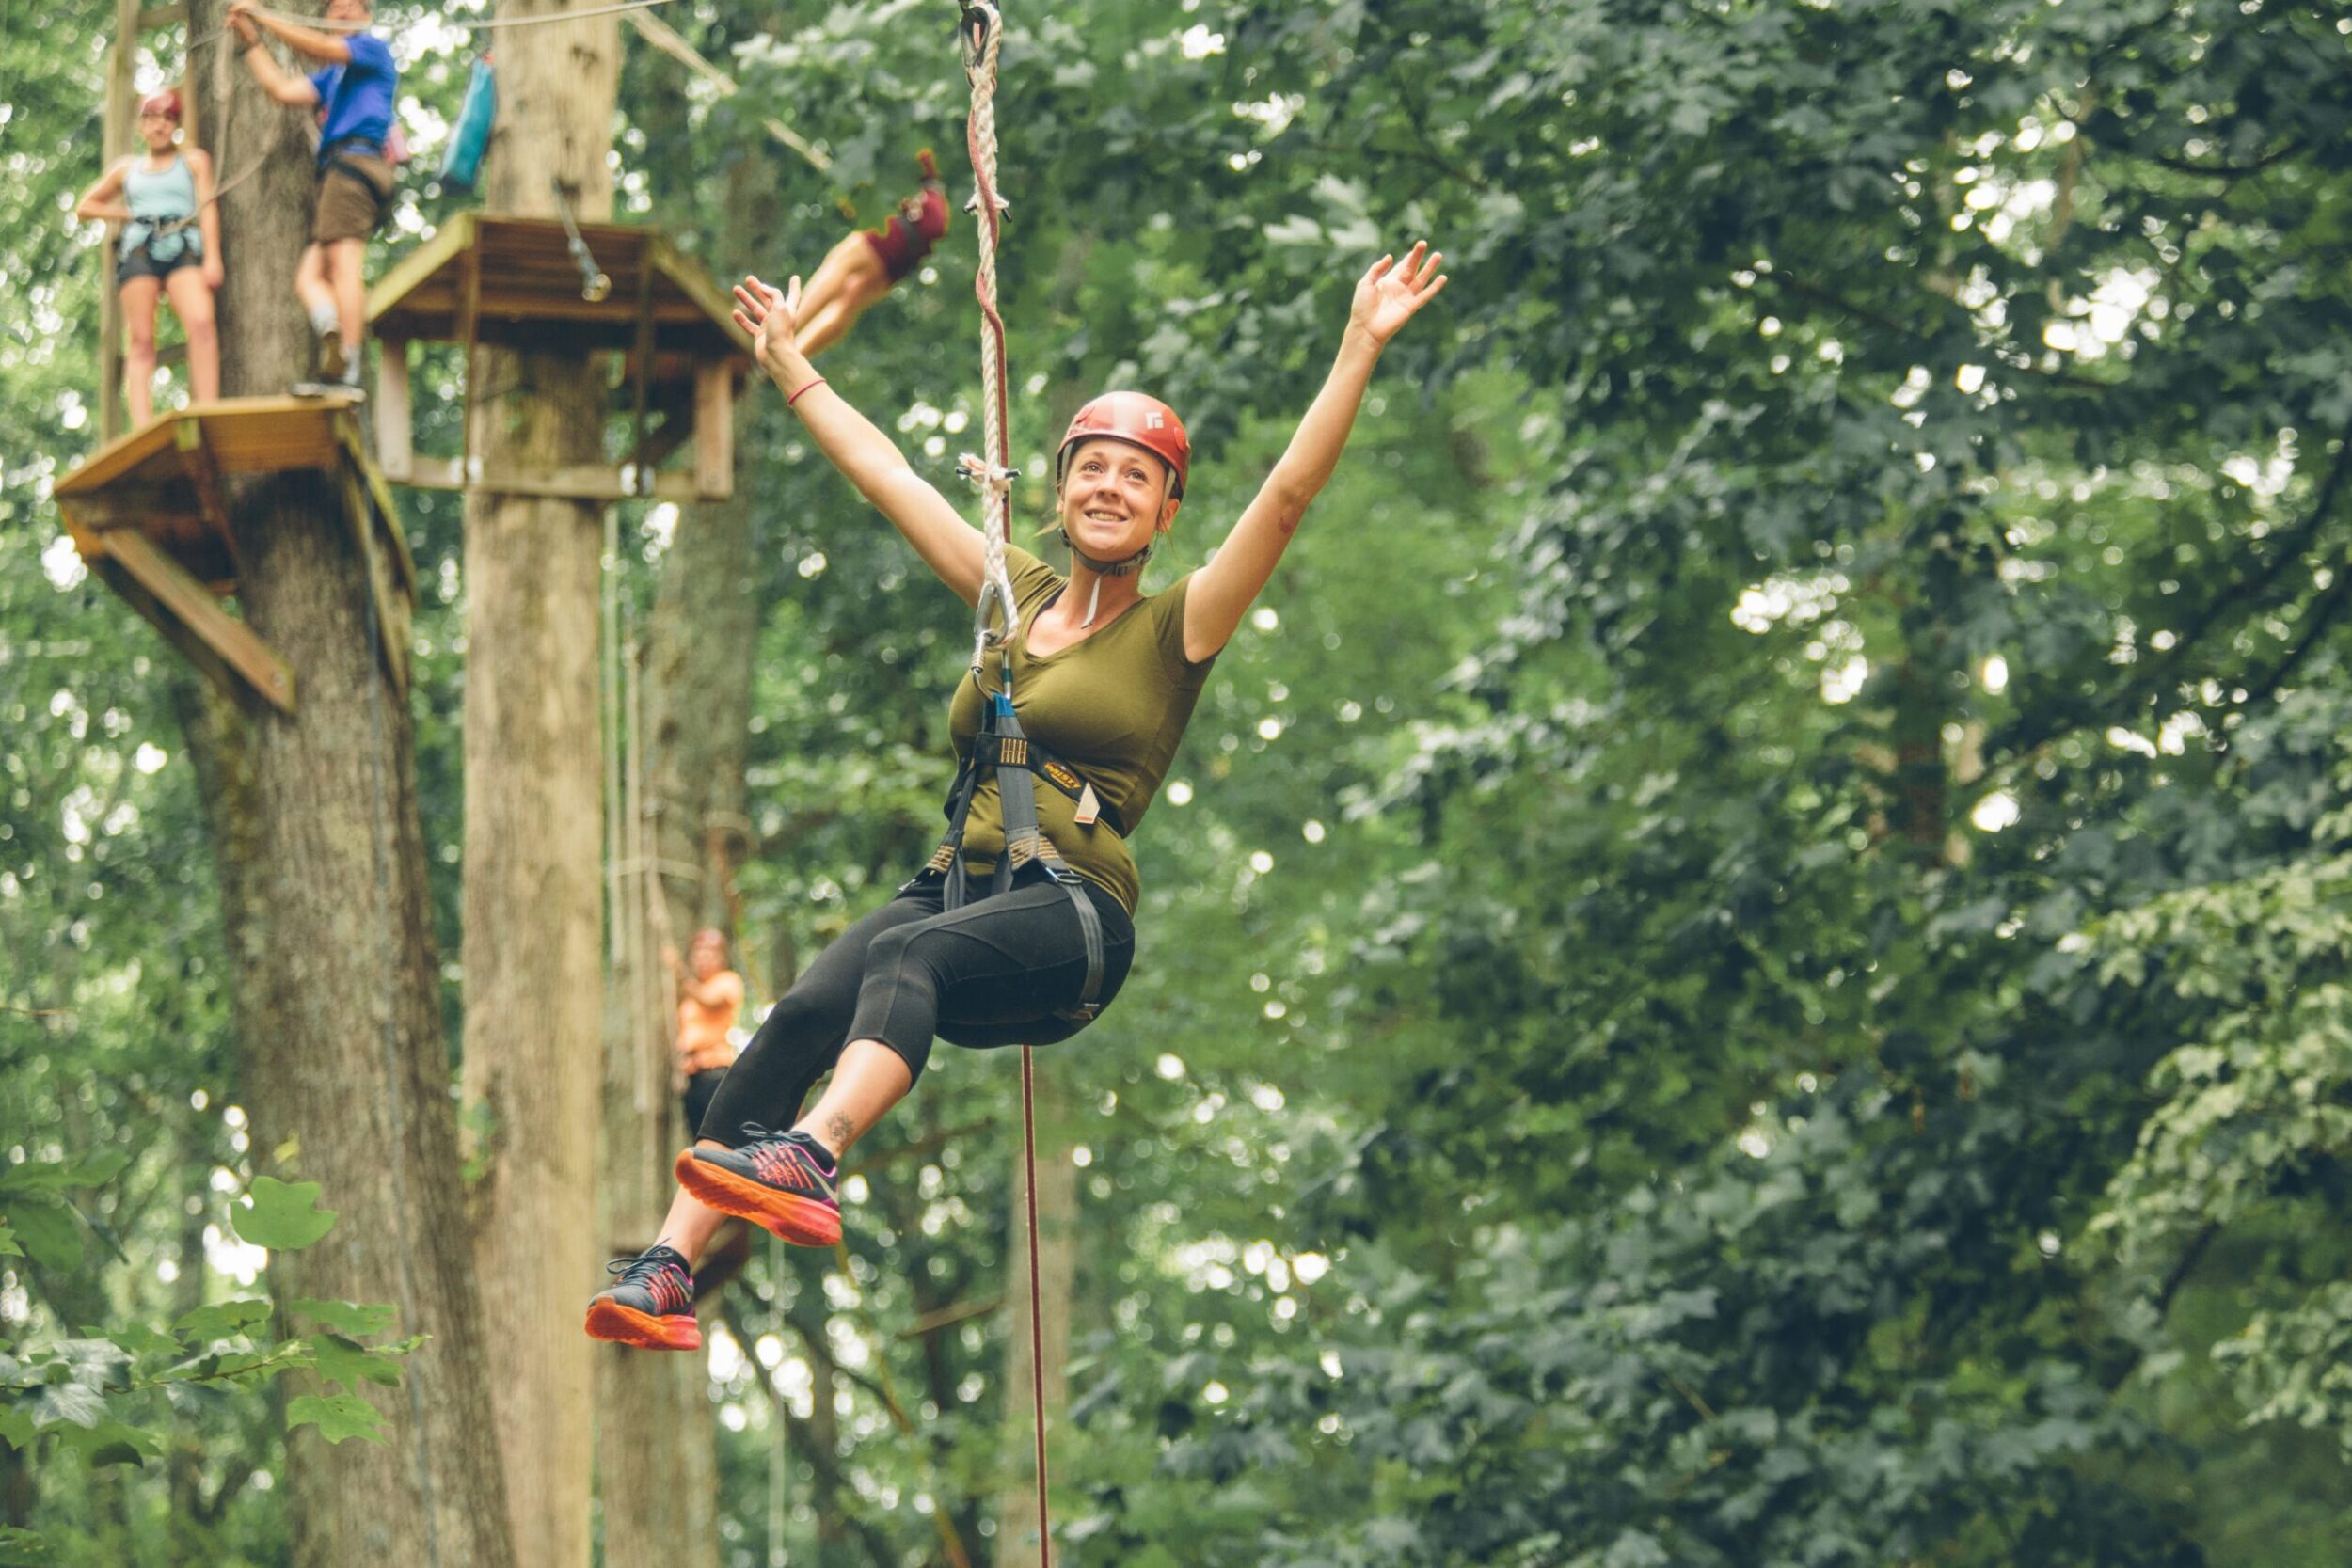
[1088, 807]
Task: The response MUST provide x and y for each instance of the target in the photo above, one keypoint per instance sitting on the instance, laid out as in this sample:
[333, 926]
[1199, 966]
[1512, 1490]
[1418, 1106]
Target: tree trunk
[660, 1506]
[534, 816]
[1017, 1544]
[346, 1067]
[660, 1502]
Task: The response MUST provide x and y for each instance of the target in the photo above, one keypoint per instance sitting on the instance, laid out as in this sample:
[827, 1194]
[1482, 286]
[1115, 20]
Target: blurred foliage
[1748, 965]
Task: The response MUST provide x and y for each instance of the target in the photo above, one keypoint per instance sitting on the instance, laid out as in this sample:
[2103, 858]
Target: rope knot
[987, 475]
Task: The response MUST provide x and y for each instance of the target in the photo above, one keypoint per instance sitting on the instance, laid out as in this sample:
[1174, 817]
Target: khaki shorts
[355, 192]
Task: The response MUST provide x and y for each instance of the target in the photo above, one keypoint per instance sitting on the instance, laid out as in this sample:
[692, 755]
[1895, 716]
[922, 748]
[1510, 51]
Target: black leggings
[993, 973]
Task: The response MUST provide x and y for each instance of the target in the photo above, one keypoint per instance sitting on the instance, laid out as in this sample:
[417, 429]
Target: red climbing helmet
[165, 103]
[1138, 419]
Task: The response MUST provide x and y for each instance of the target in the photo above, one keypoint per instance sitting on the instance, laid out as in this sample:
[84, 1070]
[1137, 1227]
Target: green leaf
[16, 1427]
[139, 1339]
[339, 1360]
[283, 1216]
[7, 1242]
[344, 1415]
[47, 1229]
[68, 1404]
[220, 1319]
[23, 1548]
[356, 1318]
[114, 1443]
[51, 1176]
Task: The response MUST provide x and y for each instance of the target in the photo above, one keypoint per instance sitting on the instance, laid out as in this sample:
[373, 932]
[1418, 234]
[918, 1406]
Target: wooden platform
[149, 513]
[514, 282]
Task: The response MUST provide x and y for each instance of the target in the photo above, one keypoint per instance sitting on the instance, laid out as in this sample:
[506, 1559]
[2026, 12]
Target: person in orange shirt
[709, 995]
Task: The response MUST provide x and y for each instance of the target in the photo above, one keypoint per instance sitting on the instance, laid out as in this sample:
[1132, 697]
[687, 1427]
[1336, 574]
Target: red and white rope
[983, 35]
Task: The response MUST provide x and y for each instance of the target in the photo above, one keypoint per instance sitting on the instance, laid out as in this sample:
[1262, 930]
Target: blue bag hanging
[462, 164]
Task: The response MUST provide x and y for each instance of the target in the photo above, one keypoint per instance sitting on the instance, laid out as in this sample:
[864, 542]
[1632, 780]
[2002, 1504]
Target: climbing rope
[594, 284]
[172, 225]
[982, 36]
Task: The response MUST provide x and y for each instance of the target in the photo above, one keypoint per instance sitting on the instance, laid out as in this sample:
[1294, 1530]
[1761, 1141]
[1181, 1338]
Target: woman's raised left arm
[1222, 591]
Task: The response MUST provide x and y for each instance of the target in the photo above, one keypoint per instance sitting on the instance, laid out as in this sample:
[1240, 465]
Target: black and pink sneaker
[653, 1305]
[782, 1182]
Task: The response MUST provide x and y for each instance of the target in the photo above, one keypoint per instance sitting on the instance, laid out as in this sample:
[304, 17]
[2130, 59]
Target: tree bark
[660, 1501]
[346, 1065]
[534, 816]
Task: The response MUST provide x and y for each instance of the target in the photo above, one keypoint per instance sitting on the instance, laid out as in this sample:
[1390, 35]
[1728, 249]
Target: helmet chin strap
[1125, 567]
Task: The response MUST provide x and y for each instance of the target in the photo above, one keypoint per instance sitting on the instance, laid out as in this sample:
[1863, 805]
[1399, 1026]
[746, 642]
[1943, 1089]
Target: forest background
[1745, 962]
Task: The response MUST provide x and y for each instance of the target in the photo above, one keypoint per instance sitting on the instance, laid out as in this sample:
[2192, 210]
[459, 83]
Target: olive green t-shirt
[1113, 707]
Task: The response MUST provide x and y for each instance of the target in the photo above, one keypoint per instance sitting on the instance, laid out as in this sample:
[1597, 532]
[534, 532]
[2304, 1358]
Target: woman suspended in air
[170, 248]
[863, 267]
[1105, 679]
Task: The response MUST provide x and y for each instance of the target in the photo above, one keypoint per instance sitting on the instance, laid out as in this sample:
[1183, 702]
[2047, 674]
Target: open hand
[1386, 295]
[770, 314]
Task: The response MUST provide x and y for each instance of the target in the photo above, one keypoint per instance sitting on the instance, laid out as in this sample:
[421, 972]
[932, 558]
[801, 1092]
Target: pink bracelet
[797, 396]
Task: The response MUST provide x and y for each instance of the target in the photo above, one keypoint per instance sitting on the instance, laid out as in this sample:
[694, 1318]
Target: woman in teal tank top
[170, 245]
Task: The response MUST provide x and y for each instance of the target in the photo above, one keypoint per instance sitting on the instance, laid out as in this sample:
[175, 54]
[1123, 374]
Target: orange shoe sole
[798, 1220]
[625, 1325]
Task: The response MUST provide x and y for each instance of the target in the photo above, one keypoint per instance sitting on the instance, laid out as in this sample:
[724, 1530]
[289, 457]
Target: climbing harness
[996, 620]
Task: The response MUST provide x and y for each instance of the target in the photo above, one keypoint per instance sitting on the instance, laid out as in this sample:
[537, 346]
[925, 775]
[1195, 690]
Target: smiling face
[1115, 497]
[349, 10]
[157, 129]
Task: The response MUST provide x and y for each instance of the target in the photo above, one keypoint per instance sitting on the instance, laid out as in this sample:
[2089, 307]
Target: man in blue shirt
[353, 95]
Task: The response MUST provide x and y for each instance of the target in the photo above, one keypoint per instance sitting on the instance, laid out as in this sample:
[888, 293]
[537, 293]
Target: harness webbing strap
[1001, 740]
[991, 749]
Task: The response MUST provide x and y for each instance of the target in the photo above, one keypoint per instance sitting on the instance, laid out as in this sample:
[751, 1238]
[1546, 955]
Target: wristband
[797, 396]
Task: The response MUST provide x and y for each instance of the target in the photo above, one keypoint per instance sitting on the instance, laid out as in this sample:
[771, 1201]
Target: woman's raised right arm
[869, 459]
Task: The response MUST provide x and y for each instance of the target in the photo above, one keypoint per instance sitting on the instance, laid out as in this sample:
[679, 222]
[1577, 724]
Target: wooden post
[532, 906]
[714, 430]
[395, 450]
[203, 471]
[639, 477]
[115, 143]
[468, 334]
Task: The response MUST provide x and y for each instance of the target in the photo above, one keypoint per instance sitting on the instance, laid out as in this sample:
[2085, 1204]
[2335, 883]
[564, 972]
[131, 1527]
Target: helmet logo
[1153, 421]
